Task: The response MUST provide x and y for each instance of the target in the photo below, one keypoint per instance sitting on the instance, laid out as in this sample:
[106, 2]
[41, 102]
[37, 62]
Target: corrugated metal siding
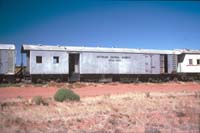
[47, 66]
[172, 63]
[175, 62]
[11, 55]
[119, 63]
[7, 61]
[162, 64]
[4, 61]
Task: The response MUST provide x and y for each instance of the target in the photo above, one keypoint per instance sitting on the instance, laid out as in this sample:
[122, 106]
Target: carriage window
[55, 59]
[38, 59]
[198, 61]
[190, 62]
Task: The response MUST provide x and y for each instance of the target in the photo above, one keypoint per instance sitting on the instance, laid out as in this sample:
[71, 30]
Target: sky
[103, 23]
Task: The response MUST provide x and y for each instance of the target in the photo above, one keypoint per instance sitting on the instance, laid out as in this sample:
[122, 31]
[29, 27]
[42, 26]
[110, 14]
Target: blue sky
[151, 25]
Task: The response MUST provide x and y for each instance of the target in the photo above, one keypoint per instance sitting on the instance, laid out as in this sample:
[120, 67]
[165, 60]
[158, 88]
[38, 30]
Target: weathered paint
[172, 63]
[162, 64]
[7, 61]
[95, 60]
[96, 49]
[185, 67]
[3, 61]
[119, 63]
[155, 65]
[11, 61]
[47, 66]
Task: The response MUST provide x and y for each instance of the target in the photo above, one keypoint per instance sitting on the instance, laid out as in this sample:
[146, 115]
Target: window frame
[38, 59]
[190, 61]
[56, 60]
[198, 61]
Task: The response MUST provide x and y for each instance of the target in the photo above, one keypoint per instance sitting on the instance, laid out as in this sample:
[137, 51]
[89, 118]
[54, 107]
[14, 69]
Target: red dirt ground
[98, 89]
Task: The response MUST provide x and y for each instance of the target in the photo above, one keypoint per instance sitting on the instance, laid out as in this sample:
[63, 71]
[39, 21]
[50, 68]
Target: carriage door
[164, 63]
[148, 64]
[74, 68]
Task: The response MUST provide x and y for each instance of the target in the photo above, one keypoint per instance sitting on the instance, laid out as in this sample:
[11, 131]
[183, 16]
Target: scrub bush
[66, 94]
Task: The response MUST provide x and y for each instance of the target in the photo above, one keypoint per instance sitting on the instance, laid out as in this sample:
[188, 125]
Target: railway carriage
[95, 63]
[189, 61]
[69, 63]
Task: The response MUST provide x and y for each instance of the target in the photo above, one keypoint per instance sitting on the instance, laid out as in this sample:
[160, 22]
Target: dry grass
[131, 112]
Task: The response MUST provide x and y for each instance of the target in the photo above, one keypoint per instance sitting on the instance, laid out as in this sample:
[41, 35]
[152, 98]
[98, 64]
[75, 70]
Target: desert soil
[108, 108]
[94, 89]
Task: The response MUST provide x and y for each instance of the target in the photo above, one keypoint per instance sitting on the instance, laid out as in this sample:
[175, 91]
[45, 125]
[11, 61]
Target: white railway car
[69, 63]
[189, 61]
[79, 63]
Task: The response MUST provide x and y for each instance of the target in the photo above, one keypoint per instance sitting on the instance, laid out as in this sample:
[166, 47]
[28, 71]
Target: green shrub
[66, 94]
